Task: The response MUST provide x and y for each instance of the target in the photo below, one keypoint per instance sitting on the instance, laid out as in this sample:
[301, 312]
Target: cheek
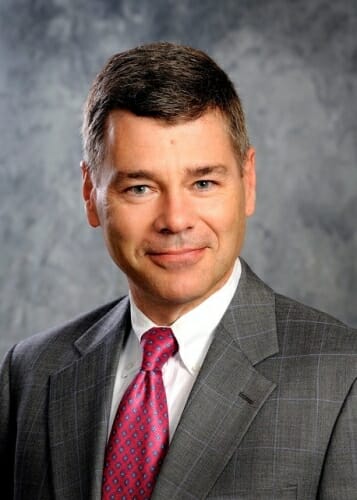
[124, 228]
[229, 226]
[227, 216]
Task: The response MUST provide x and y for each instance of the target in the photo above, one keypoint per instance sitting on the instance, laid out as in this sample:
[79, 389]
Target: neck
[164, 314]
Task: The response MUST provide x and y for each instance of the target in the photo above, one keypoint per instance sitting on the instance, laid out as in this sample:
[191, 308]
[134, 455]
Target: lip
[177, 257]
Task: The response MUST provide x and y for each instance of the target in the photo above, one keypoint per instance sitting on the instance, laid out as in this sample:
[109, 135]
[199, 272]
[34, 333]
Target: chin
[182, 295]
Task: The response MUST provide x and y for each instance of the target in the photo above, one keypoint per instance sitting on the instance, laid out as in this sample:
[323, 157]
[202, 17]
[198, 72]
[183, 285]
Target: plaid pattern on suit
[272, 415]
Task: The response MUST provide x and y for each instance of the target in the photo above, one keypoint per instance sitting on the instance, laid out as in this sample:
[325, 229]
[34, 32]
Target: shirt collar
[194, 330]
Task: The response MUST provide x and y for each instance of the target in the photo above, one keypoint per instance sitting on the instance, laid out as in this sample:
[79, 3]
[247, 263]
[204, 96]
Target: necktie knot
[159, 344]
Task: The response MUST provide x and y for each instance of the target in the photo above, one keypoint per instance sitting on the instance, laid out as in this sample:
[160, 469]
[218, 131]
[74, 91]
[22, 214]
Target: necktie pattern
[140, 434]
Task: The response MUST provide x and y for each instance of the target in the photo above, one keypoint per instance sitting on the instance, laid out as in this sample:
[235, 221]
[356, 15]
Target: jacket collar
[250, 318]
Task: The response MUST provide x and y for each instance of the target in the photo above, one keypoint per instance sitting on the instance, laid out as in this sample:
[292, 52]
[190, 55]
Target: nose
[176, 213]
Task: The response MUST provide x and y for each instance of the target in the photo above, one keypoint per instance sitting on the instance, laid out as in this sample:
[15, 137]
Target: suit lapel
[79, 408]
[227, 394]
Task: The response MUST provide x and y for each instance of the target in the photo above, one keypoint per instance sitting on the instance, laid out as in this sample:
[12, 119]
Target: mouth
[176, 257]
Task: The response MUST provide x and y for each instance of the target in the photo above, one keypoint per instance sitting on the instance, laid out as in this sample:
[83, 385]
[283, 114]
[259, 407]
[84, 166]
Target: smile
[177, 257]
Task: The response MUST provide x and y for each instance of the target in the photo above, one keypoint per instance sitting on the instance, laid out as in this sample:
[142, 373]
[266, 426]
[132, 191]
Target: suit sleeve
[7, 431]
[339, 476]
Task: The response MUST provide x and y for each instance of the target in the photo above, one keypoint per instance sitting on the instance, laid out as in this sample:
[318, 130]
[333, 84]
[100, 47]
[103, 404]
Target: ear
[89, 193]
[249, 181]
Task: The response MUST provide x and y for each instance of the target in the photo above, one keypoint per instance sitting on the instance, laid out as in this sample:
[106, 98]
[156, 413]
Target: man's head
[168, 174]
[164, 81]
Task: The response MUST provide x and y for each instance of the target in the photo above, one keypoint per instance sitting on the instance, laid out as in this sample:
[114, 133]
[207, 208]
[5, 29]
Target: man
[257, 396]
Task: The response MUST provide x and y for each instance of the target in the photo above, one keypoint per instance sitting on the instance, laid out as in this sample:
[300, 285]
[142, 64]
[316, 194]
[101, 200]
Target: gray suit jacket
[272, 415]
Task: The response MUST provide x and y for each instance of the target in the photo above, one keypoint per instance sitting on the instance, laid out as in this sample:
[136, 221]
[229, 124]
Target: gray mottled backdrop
[295, 66]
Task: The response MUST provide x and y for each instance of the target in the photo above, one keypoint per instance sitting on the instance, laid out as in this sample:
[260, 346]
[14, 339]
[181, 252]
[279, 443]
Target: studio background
[295, 66]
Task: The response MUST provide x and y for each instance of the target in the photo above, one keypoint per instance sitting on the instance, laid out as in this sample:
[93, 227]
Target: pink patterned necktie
[140, 434]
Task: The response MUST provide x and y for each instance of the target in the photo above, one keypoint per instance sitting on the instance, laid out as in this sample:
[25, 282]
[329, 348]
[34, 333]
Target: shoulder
[55, 346]
[301, 330]
[303, 320]
[312, 338]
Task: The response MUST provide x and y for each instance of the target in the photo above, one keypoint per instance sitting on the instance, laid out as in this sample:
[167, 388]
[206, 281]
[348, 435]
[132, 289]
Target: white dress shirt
[193, 331]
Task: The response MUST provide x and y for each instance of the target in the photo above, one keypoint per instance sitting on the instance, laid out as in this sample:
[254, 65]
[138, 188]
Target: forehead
[131, 138]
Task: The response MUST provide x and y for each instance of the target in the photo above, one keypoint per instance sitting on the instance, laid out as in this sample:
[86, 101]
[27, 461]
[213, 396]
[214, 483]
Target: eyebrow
[207, 170]
[194, 172]
[120, 176]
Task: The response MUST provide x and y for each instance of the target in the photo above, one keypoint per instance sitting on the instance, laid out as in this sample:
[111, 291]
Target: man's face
[172, 203]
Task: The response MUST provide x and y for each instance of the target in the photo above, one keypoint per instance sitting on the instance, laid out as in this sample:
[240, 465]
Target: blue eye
[139, 189]
[204, 184]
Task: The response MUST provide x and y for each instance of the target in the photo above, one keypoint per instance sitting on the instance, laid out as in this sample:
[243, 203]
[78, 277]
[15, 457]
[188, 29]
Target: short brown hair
[161, 80]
